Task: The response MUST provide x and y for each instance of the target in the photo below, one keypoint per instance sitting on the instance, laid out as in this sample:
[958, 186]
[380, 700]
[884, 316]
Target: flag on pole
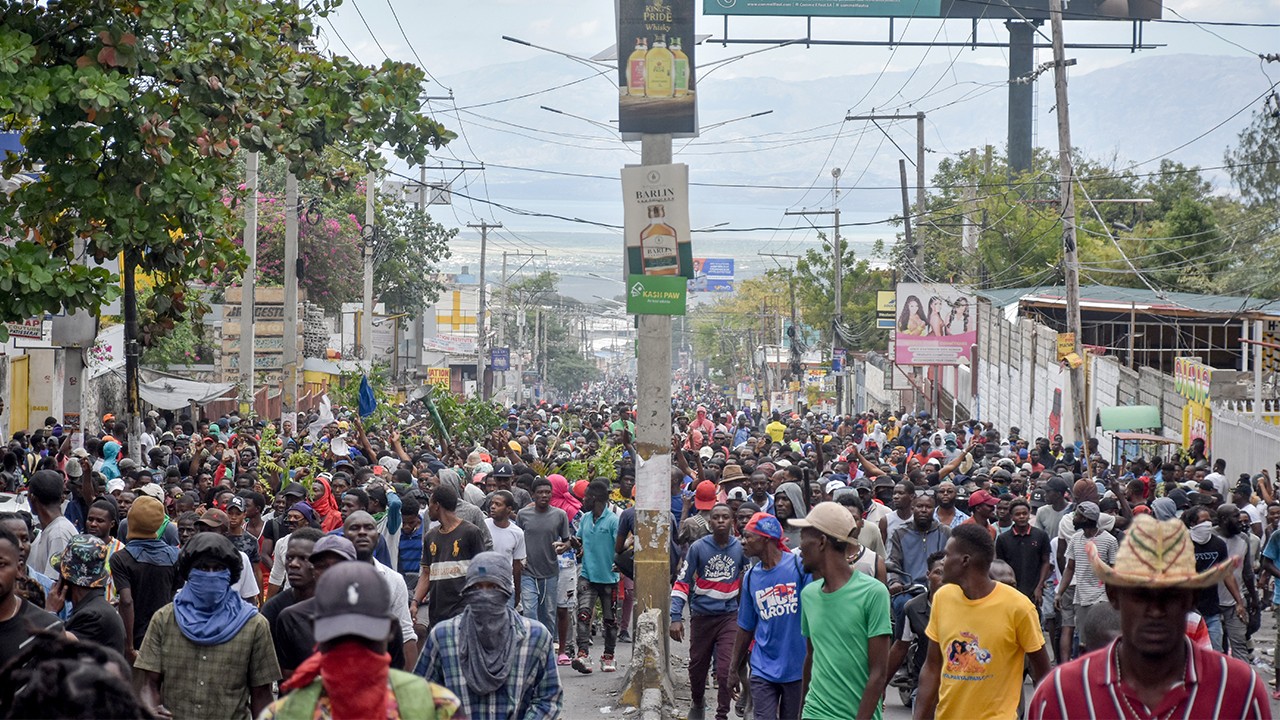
[368, 403]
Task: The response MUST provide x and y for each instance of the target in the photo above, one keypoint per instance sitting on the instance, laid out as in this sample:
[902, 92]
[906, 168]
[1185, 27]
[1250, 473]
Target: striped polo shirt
[1089, 688]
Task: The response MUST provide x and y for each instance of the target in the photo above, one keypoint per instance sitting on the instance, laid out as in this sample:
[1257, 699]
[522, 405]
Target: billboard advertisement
[1029, 9]
[656, 67]
[712, 275]
[713, 267]
[886, 310]
[936, 325]
[655, 220]
[500, 359]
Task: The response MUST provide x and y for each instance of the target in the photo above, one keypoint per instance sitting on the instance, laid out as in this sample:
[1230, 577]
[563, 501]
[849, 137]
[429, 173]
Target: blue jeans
[1214, 623]
[896, 605]
[538, 600]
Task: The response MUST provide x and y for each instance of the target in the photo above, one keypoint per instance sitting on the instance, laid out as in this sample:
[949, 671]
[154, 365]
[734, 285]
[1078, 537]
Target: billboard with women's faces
[935, 325]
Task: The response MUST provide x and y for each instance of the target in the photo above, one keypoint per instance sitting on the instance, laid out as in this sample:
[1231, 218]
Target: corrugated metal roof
[1144, 298]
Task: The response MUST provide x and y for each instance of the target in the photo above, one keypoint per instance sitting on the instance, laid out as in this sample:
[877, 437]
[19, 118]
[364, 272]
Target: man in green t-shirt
[844, 616]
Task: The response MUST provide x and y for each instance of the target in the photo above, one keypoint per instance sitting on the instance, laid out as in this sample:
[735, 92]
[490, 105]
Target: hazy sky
[457, 40]
[451, 37]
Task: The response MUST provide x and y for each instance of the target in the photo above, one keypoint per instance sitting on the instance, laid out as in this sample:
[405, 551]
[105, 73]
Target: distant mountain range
[1135, 111]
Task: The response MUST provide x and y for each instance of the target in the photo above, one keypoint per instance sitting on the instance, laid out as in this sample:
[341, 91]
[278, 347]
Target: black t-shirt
[94, 619]
[293, 635]
[447, 556]
[295, 640]
[152, 587]
[272, 608]
[1025, 554]
[1211, 553]
[28, 621]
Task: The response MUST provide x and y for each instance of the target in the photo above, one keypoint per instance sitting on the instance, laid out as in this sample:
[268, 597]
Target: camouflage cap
[83, 562]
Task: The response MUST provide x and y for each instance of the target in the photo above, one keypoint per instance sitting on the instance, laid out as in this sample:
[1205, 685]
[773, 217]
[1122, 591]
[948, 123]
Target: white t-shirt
[278, 575]
[507, 540]
[1220, 483]
[247, 585]
[51, 541]
[399, 600]
[1257, 515]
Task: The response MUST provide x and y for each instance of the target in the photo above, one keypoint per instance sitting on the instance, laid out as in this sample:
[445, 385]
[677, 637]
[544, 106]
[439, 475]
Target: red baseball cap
[704, 496]
[982, 497]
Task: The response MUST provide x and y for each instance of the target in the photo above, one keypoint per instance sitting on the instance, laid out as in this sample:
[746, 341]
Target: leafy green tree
[185, 345]
[131, 114]
[566, 365]
[1254, 163]
[411, 245]
[859, 283]
[985, 229]
[727, 333]
[1254, 166]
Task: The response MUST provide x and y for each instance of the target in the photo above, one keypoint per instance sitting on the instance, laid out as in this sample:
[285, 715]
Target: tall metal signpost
[1023, 21]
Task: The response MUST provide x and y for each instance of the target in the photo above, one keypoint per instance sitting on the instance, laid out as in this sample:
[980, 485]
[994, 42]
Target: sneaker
[563, 659]
[697, 712]
[580, 662]
[624, 637]
[607, 664]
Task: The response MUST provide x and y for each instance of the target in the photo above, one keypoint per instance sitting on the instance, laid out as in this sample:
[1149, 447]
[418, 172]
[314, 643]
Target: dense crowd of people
[345, 568]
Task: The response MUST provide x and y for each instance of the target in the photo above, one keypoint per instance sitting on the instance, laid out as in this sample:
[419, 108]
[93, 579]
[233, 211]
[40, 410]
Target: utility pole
[970, 242]
[484, 227]
[913, 274]
[247, 286]
[132, 358]
[837, 271]
[837, 279]
[919, 118]
[420, 323]
[653, 439]
[502, 329]
[519, 316]
[369, 241]
[1070, 263]
[289, 359]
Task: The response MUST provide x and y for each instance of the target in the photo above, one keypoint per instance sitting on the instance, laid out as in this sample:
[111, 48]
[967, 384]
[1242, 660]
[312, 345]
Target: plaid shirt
[532, 691]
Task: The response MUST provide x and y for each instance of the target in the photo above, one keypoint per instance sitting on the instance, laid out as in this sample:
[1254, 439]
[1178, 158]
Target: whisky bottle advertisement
[656, 67]
[659, 252]
[636, 69]
[656, 220]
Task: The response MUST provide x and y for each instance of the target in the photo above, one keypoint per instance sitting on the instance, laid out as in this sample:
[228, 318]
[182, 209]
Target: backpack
[413, 695]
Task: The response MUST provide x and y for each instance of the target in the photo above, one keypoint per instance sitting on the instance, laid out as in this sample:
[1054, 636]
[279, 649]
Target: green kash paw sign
[656, 294]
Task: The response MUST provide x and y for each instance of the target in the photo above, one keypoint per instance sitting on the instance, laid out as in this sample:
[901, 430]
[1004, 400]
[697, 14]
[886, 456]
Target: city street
[595, 695]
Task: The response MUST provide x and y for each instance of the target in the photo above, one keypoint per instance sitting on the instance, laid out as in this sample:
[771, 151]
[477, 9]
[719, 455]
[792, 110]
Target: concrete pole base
[647, 684]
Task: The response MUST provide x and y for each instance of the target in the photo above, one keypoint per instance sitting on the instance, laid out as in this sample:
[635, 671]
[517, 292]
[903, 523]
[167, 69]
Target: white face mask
[1200, 533]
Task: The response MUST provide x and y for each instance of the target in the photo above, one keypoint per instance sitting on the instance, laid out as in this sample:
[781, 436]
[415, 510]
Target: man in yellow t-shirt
[776, 430]
[979, 633]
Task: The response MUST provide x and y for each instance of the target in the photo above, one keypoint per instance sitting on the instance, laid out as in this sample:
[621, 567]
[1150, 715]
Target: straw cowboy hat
[1157, 554]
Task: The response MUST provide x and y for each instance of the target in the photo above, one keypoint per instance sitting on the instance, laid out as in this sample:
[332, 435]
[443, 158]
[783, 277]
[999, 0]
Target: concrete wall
[1248, 444]
[1021, 384]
